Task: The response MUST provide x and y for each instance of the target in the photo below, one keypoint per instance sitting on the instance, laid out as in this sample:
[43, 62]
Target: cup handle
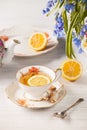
[58, 73]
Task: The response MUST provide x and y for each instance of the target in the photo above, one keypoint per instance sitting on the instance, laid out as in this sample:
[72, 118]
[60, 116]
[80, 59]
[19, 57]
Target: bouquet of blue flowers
[70, 16]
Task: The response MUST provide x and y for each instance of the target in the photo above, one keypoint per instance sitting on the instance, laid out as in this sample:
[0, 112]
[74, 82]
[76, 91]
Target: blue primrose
[77, 42]
[84, 0]
[59, 27]
[46, 10]
[49, 6]
[83, 30]
[61, 1]
[55, 1]
[59, 34]
[80, 50]
[59, 22]
[59, 19]
[69, 7]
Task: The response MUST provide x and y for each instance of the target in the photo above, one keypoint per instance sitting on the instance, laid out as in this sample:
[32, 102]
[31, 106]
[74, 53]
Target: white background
[24, 12]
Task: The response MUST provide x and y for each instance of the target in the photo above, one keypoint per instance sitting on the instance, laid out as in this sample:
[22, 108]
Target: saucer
[22, 34]
[18, 96]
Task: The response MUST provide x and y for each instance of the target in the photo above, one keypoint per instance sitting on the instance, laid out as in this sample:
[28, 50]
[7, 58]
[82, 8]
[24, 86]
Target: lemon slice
[38, 41]
[38, 80]
[71, 69]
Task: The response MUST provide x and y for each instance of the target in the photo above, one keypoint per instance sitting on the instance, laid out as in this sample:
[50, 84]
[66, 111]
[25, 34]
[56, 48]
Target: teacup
[37, 91]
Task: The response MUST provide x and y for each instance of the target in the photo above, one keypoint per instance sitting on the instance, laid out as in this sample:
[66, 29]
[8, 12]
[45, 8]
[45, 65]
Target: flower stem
[69, 49]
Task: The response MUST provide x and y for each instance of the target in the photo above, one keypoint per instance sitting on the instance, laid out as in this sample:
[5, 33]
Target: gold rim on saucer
[17, 96]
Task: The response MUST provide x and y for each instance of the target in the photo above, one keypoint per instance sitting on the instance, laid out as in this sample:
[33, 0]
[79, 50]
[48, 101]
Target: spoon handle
[76, 103]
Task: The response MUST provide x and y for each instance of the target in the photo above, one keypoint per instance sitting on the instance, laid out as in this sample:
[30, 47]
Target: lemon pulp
[71, 69]
[38, 41]
[38, 80]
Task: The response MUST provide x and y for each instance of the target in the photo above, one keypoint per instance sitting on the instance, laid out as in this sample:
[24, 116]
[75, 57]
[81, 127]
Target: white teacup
[35, 91]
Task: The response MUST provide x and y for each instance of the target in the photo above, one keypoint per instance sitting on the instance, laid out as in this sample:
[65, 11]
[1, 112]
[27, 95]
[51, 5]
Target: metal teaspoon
[64, 113]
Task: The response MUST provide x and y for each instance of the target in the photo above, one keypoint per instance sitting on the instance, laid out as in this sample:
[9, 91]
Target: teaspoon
[64, 113]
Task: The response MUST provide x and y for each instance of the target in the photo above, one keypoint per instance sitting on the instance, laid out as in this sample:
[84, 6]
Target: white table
[13, 117]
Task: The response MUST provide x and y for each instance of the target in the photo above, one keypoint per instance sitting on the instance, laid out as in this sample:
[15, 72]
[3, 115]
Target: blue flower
[80, 50]
[59, 26]
[77, 42]
[84, 0]
[59, 18]
[50, 4]
[55, 1]
[82, 33]
[83, 30]
[59, 34]
[46, 10]
[69, 7]
[61, 1]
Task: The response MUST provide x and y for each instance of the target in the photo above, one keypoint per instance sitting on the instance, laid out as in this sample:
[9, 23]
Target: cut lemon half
[38, 80]
[38, 41]
[71, 69]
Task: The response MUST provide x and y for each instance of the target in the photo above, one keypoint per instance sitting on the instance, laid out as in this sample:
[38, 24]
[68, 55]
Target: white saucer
[17, 95]
[22, 34]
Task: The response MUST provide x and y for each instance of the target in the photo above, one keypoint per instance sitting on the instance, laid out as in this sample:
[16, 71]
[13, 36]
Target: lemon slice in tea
[38, 80]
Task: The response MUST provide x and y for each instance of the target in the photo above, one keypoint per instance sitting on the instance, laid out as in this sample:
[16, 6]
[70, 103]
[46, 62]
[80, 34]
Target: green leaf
[69, 36]
[77, 29]
[64, 16]
[61, 3]
[74, 19]
[73, 53]
[84, 15]
[68, 44]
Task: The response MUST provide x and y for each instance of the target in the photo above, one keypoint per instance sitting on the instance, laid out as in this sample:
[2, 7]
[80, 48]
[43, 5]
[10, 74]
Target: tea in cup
[36, 80]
